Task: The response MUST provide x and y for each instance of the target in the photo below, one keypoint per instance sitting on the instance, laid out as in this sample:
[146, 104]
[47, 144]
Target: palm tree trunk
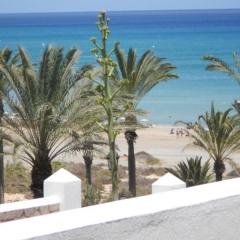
[131, 162]
[219, 169]
[1, 156]
[131, 136]
[88, 168]
[41, 170]
[218, 177]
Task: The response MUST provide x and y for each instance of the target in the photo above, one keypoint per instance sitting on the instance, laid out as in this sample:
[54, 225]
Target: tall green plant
[192, 172]
[46, 100]
[218, 134]
[107, 95]
[142, 76]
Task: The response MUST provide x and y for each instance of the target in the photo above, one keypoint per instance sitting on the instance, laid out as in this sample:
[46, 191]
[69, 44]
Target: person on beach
[177, 132]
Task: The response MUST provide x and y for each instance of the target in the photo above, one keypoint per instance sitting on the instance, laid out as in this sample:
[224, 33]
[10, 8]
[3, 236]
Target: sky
[14, 6]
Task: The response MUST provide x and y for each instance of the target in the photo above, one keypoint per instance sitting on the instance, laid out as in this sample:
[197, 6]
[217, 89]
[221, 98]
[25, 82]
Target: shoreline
[159, 143]
[166, 150]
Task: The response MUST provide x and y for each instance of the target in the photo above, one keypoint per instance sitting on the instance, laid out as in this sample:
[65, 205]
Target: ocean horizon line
[126, 11]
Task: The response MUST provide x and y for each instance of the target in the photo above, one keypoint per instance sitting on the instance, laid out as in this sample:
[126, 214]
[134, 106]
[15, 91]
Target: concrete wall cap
[168, 179]
[29, 204]
[62, 175]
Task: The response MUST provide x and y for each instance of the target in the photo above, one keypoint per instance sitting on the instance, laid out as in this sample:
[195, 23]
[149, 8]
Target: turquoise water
[181, 36]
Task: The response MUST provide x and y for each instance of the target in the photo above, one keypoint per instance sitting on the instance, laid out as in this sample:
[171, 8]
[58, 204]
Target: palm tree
[141, 75]
[192, 172]
[49, 103]
[216, 64]
[218, 134]
[88, 143]
[6, 58]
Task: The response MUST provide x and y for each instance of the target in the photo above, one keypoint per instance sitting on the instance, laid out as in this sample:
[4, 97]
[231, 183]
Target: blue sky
[11, 6]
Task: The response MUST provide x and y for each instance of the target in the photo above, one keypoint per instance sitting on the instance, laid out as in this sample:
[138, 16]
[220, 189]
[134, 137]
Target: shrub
[91, 195]
[192, 172]
[56, 165]
[17, 178]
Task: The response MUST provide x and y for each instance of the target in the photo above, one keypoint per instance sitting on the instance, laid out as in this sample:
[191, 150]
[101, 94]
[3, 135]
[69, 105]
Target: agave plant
[142, 76]
[108, 95]
[192, 172]
[49, 102]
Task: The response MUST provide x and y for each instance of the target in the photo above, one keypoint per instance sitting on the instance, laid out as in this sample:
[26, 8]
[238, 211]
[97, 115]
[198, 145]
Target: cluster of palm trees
[218, 133]
[215, 132]
[60, 108]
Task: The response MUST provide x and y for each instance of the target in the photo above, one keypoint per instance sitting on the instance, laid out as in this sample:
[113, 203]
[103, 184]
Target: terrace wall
[206, 212]
[29, 208]
[62, 191]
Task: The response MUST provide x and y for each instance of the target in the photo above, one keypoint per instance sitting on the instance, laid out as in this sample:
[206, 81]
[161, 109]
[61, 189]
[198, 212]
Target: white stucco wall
[206, 212]
[8, 207]
[213, 221]
[66, 187]
[28, 208]
[167, 182]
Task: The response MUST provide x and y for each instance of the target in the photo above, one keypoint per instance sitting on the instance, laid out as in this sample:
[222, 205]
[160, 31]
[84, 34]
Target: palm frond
[141, 74]
[50, 100]
[217, 64]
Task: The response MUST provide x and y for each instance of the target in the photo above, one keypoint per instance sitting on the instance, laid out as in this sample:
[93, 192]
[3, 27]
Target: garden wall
[206, 212]
[29, 208]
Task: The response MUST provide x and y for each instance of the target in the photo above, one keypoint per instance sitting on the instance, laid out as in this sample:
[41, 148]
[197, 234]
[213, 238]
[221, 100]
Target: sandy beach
[170, 149]
[157, 141]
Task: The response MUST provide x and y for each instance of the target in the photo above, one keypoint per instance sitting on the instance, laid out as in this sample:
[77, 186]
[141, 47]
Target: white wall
[167, 182]
[29, 208]
[66, 187]
[207, 212]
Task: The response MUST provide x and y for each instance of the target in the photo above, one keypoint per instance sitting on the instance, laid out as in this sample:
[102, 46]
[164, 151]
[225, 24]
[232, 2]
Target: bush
[124, 194]
[192, 172]
[56, 165]
[91, 195]
[17, 178]
[159, 171]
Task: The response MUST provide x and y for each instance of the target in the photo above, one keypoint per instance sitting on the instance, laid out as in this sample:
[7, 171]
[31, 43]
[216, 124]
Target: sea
[182, 37]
